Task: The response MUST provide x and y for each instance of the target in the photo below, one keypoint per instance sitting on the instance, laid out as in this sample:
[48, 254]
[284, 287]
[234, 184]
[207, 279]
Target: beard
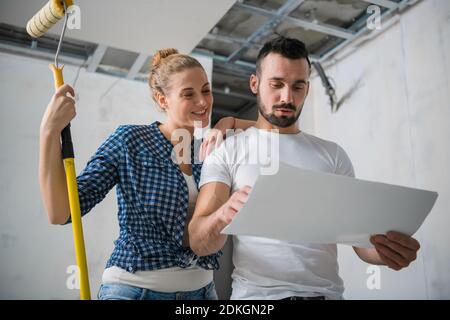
[281, 121]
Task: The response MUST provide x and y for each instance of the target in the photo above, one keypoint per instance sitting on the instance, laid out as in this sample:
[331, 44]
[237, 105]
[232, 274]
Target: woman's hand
[60, 111]
[212, 140]
[215, 136]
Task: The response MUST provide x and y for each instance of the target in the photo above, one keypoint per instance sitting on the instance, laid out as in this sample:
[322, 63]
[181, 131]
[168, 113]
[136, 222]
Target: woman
[156, 187]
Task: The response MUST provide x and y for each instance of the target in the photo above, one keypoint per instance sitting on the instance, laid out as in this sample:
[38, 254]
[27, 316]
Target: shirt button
[130, 269]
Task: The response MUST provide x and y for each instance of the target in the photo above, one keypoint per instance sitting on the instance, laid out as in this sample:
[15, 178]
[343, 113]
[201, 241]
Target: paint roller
[37, 26]
[47, 17]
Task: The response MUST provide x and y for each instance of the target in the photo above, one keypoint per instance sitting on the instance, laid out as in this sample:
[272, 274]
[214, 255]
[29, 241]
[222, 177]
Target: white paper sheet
[314, 207]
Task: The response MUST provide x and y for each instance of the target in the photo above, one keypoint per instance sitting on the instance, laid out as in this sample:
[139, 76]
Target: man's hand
[396, 249]
[214, 210]
[229, 209]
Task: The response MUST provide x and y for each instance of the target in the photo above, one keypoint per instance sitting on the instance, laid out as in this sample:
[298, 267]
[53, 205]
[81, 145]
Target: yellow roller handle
[74, 201]
[77, 228]
[57, 75]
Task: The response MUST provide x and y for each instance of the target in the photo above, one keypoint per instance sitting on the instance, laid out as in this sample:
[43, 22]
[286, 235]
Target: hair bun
[162, 54]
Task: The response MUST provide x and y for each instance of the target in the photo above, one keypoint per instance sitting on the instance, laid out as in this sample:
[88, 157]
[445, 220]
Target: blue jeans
[117, 291]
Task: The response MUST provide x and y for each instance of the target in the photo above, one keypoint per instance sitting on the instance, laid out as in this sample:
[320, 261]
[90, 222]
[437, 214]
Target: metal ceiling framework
[231, 71]
[282, 14]
[234, 62]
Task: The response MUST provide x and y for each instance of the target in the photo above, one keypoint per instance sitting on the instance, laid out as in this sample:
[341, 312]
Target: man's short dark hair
[287, 47]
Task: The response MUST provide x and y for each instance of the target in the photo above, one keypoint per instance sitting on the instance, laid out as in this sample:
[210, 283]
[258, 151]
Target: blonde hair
[166, 62]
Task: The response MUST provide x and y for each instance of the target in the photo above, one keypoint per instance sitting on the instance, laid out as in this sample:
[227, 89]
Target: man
[268, 268]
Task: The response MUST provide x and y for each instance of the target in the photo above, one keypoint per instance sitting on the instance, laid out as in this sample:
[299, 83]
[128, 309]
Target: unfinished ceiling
[140, 26]
[230, 32]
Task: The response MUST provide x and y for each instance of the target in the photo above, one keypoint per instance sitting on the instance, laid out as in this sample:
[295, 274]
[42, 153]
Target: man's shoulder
[329, 145]
[240, 134]
[230, 147]
[317, 140]
[340, 158]
[237, 138]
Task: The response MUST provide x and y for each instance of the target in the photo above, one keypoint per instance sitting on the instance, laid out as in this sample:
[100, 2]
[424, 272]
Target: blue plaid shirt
[152, 197]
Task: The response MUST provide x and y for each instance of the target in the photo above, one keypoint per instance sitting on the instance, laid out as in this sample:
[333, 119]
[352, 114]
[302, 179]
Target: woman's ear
[254, 83]
[162, 100]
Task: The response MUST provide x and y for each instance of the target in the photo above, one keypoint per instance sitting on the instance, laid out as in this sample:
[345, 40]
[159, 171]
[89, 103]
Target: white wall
[34, 255]
[396, 129]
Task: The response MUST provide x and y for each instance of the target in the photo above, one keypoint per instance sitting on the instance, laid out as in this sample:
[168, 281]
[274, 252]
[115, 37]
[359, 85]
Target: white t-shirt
[169, 279]
[268, 268]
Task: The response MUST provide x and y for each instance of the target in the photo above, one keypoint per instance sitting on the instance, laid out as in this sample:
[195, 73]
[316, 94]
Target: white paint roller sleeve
[46, 18]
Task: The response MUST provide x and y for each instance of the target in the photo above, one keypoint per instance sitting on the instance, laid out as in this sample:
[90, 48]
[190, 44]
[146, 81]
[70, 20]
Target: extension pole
[74, 201]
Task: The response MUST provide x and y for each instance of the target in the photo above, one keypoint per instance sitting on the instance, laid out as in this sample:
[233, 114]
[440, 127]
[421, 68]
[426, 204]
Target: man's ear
[162, 100]
[254, 81]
